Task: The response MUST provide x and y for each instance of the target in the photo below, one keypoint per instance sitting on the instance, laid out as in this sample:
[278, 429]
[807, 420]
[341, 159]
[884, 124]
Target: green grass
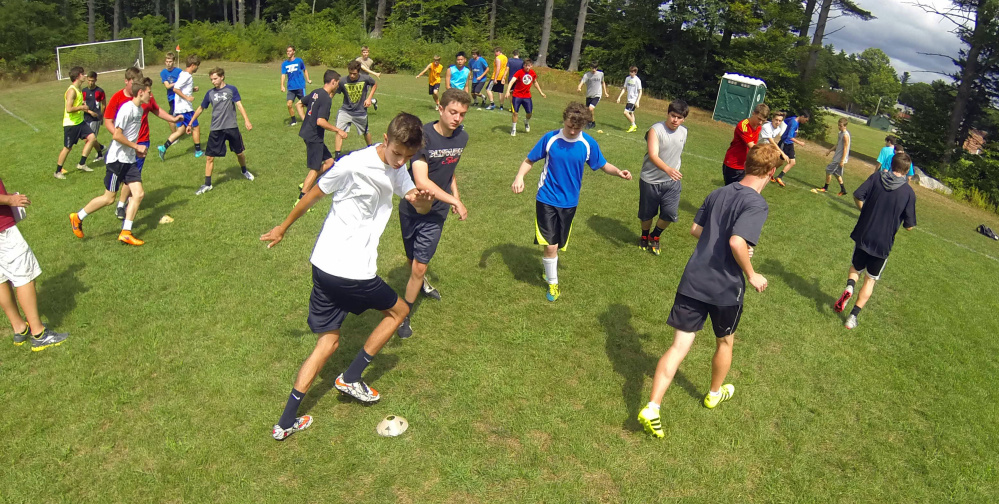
[865, 142]
[183, 351]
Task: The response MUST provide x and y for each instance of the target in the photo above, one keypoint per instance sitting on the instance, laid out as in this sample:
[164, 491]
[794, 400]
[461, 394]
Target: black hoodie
[888, 201]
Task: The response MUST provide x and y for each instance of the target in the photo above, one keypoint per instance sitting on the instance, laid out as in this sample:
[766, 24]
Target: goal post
[101, 57]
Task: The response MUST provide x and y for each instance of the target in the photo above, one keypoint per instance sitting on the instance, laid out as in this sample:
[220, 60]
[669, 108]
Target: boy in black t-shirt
[885, 201]
[314, 109]
[432, 169]
[727, 227]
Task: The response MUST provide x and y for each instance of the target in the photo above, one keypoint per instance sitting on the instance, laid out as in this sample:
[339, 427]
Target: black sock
[100, 150]
[842, 188]
[83, 159]
[353, 372]
[781, 174]
[855, 311]
[645, 234]
[167, 144]
[197, 147]
[58, 168]
[243, 168]
[301, 195]
[656, 232]
[208, 180]
[291, 409]
[826, 187]
[336, 155]
[851, 282]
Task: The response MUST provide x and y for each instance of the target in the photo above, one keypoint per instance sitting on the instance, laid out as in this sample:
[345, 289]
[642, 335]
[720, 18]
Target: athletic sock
[121, 204]
[336, 155]
[656, 232]
[842, 188]
[353, 372]
[645, 234]
[780, 175]
[551, 269]
[83, 159]
[291, 409]
[825, 187]
[855, 311]
[197, 147]
[243, 168]
[652, 405]
[850, 284]
[167, 144]
[100, 150]
[713, 393]
[301, 195]
[127, 226]
[58, 168]
[82, 214]
[208, 180]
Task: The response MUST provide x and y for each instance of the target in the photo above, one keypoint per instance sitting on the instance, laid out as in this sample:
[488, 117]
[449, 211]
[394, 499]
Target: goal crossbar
[140, 60]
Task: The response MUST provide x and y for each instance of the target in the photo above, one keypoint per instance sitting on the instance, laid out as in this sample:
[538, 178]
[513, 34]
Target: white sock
[513, 126]
[82, 214]
[127, 226]
[652, 405]
[715, 393]
[121, 204]
[551, 269]
[849, 288]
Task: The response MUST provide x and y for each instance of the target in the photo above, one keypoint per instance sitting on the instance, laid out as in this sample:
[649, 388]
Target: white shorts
[17, 263]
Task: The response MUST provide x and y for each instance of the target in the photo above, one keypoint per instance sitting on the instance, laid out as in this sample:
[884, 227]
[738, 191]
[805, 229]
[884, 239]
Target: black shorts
[420, 235]
[316, 154]
[295, 93]
[552, 225]
[659, 199]
[788, 149]
[121, 173]
[497, 87]
[73, 134]
[171, 107]
[862, 261]
[592, 102]
[218, 138]
[629, 107]
[731, 175]
[433, 89]
[477, 86]
[688, 314]
[333, 297]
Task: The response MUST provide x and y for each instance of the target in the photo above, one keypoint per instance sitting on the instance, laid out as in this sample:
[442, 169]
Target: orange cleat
[74, 220]
[779, 181]
[127, 238]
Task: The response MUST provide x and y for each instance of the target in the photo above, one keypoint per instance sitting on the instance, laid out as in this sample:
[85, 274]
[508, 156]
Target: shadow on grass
[615, 231]
[688, 207]
[807, 288]
[523, 262]
[153, 207]
[58, 294]
[624, 349]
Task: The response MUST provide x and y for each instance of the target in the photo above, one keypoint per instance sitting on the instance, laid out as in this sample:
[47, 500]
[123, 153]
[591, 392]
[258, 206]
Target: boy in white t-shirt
[344, 274]
[772, 132]
[633, 86]
[121, 166]
[183, 104]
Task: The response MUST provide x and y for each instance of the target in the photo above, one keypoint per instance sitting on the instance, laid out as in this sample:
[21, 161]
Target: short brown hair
[900, 163]
[763, 109]
[528, 61]
[775, 113]
[354, 65]
[406, 129]
[193, 59]
[217, 71]
[132, 73]
[761, 159]
[577, 114]
[140, 85]
[455, 95]
[171, 55]
[843, 121]
[633, 69]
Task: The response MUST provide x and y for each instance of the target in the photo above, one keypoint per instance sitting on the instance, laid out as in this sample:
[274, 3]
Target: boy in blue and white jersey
[293, 72]
[565, 151]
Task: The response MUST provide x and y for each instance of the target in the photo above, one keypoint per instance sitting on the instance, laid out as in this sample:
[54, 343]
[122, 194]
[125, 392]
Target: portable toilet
[737, 96]
[881, 122]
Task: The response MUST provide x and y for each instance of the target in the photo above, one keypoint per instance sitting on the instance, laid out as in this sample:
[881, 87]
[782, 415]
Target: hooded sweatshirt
[889, 201]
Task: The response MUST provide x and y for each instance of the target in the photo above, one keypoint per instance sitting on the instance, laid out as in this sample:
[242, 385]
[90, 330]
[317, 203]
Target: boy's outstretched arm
[421, 200]
[617, 172]
[518, 181]
[274, 236]
[741, 252]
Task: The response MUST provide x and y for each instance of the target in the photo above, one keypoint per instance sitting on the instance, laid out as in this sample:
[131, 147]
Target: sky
[902, 31]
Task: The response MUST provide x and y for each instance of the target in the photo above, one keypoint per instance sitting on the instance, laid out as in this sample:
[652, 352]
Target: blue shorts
[141, 161]
[526, 102]
[187, 120]
[295, 93]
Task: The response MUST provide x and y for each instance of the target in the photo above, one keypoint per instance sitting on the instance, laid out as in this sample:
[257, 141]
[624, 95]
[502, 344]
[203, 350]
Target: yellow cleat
[649, 418]
[727, 390]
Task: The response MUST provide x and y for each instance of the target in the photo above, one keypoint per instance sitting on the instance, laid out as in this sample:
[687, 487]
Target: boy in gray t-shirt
[358, 93]
[632, 86]
[727, 227]
[595, 89]
[659, 184]
[841, 154]
[224, 100]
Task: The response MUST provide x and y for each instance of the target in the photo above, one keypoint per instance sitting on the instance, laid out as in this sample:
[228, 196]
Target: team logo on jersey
[527, 80]
[292, 68]
[354, 90]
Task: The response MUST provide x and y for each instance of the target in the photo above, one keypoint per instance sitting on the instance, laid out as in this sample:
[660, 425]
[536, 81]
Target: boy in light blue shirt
[480, 76]
[888, 152]
[565, 152]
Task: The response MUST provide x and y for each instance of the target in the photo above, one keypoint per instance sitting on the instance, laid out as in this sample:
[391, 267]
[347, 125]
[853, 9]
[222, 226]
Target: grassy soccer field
[183, 351]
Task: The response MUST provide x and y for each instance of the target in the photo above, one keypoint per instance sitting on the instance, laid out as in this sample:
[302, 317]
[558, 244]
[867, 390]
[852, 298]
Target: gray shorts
[834, 168]
[344, 120]
[659, 199]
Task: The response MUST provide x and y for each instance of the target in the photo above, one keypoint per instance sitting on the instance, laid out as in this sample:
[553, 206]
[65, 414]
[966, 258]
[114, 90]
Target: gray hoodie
[891, 181]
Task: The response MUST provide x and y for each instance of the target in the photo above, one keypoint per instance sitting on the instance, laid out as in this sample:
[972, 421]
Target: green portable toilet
[737, 95]
[880, 121]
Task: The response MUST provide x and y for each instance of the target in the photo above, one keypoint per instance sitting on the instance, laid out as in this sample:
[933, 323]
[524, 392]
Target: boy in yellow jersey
[434, 78]
[499, 78]
[73, 126]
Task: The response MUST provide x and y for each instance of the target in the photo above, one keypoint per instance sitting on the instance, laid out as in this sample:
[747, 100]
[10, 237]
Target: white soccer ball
[392, 426]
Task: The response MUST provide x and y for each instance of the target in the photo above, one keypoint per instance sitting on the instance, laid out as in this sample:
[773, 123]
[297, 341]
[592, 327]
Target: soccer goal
[101, 57]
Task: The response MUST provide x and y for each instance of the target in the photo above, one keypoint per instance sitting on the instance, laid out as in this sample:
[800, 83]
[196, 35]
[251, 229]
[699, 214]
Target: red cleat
[841, 303]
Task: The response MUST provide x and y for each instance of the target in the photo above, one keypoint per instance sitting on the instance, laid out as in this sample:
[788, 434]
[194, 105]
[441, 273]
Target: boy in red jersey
[521, 85]
[111, 111]
[747, 134]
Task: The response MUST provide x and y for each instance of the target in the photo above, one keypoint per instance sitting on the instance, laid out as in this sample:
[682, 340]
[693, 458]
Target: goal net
[101, 57]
